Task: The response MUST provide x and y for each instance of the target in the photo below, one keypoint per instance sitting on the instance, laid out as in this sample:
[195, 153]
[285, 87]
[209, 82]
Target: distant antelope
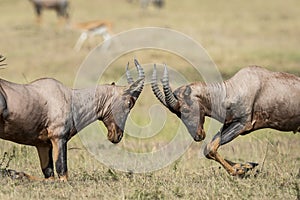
[46, 114]
[91, 29]
[254, 98]
[145, 3]
[156, 3]
[60, 6]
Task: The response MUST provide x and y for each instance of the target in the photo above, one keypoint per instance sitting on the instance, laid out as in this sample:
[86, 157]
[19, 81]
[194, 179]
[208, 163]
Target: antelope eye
[185, 109]
[129, 103]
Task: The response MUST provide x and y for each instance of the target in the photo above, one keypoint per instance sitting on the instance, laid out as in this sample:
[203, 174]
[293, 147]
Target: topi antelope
[254, 98]
[60, 6]
[46, 114]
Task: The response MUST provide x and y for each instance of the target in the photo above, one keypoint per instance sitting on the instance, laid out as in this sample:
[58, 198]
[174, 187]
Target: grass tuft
[5, 161]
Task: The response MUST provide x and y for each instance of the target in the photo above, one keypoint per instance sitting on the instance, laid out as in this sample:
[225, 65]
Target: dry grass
[235, 34]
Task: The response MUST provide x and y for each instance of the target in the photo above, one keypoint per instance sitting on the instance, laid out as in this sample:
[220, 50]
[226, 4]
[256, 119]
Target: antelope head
[122, 103]
[183, 102]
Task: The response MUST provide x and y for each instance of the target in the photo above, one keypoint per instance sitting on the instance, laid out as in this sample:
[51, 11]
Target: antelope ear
[135, 88]
[187, 95]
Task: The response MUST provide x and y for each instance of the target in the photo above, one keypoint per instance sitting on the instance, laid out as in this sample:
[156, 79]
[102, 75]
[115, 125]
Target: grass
[234, 33]
[187, 178]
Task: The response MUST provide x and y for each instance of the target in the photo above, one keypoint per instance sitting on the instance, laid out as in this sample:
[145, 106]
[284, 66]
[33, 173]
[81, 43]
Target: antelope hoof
[50, 179]
[242, 169]
[63, 178]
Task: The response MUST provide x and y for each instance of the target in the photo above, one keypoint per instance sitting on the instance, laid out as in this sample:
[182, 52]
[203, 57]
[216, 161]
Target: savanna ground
[234, 33]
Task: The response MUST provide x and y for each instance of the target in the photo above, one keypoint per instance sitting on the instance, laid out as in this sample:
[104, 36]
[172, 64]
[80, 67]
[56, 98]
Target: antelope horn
[155, 88]
[141, 75]
[128, 76]
[136, 88]
[140, 69]
[169, 96]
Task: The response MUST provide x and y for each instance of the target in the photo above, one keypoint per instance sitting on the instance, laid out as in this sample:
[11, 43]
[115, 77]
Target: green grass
[234, 33]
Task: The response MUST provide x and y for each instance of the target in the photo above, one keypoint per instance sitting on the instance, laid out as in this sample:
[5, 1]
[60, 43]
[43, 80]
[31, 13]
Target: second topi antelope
[254, 98]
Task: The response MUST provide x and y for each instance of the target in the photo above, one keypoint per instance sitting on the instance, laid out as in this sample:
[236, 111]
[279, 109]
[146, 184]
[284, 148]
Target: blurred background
[234, 33]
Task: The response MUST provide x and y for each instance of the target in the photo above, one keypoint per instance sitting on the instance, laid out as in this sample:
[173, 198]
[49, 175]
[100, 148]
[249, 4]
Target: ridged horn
[169, 96]
[159, 95]
[128, 75]
[140, 69]
[136, 88]
[141, 75]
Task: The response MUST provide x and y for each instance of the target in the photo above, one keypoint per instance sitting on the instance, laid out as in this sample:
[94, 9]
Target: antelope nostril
[120, 137]
[197, 138]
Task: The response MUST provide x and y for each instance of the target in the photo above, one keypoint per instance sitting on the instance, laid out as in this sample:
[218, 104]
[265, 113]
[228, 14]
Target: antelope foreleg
[46, 161]
[210, 152]
[227, 134]
[60, 157]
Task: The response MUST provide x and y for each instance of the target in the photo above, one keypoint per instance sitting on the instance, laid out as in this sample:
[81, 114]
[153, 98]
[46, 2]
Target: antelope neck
[90, 104]
[212, 96]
